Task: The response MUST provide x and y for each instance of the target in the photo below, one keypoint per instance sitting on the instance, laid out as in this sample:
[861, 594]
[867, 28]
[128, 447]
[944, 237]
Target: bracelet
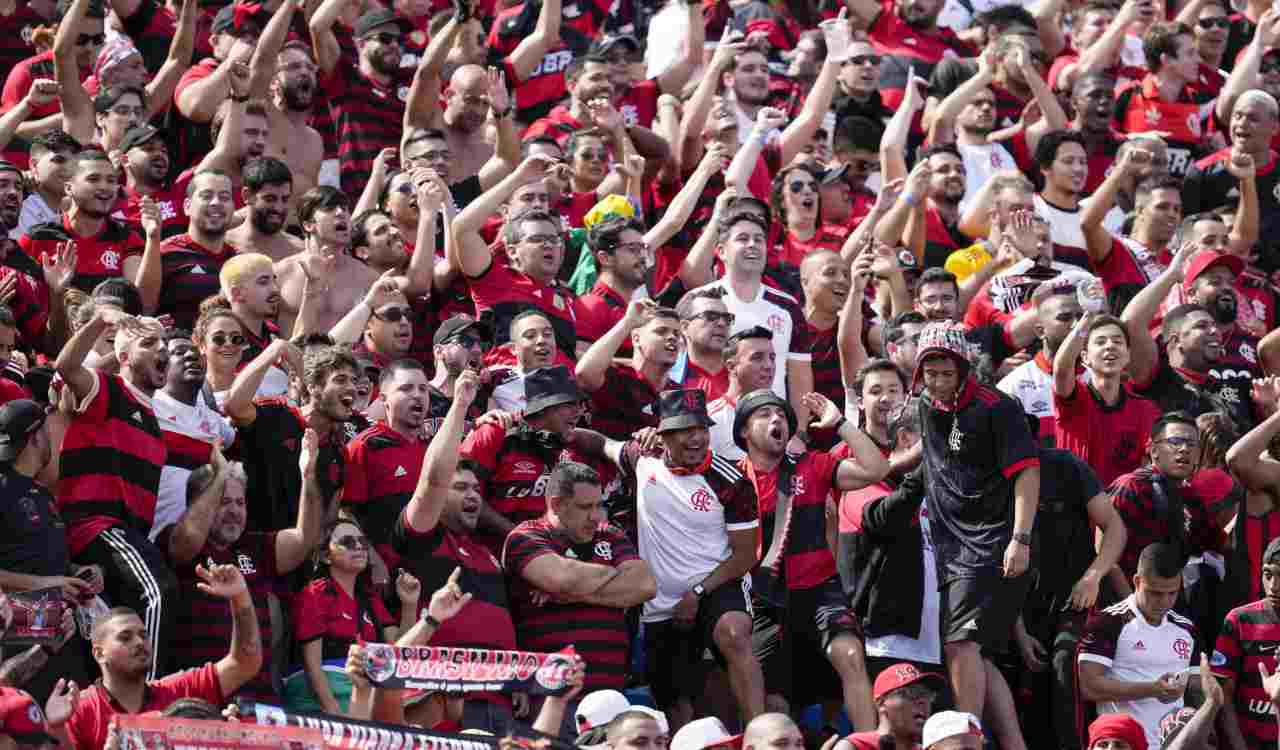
[430, 621]
[843, 421]
[239, 99]
[1022, 537]
[909, 198]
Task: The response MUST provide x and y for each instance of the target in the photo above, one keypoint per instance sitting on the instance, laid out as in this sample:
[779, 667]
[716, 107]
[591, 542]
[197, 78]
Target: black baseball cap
[456, 325]
[682, 409]
[225, 20]
[18, 419]
[601, 47]
[137, 135]
[380, 17]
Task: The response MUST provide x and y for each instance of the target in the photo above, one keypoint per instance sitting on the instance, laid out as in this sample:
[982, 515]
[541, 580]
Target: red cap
[22, 718]
[899, 676]
[1203, 261]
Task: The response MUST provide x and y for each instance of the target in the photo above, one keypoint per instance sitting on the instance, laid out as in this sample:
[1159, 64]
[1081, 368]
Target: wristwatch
[699, 590]
[1022, 537]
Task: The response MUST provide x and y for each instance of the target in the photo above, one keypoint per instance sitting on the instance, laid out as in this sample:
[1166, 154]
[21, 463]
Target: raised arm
[349, 330]
[438, 466]
[700, 104]
[244, 658]
[800, 132]
[42, 92]
[70, 362]
[1143, 355]
[1096, 237]
[1245, 74]
[323, 40]
[189, 534]
[506, 148]
[239, 404]
[526, 57]
[199, 100]
[1247, 460]
[941, 126]
[909, 209]
[473, 257]
[866, 464]
[295, 543]
[594, 364]
[1244, 228]
[744, 162]
[1105, 52]
[853, 354]
[1052, 116]
[160, 89]
[262, 66]
[673, 79]
[893, 146]
[696, 269]
[433, 200]
[714, 160]
[77, 108]
[148, 274]
[1068, 354]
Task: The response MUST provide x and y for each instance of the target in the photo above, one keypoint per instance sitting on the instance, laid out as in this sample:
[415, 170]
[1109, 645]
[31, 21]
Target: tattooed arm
[244, 659]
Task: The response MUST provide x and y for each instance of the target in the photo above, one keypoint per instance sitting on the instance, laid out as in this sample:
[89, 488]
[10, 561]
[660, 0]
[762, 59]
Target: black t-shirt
[991, 342]
[972, 456]
[1208, 185]
[1227, 391]
[270, 448]
[1063, 546]
[35, 538]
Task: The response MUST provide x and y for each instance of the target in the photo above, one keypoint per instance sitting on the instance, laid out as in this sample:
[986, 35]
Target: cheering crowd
[854, 374]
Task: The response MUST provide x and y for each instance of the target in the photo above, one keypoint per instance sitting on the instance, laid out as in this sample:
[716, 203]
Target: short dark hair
[684, 308]
[1160, 182]
[176, 334]
[895, 331]
[906, 418]
[1102, 321]
[1189, 223]
[120, 292]
[321, 197]
[1174, 318]
[319, 365]
[192, 708]
[7, 320]
[1102, 79]
[426, 134]
[108, 97]
[360, 235]
[255, 108]
[511, 230]
[859, 133]
[936, 275]
[566, 477]
[1171, 418]
[191, 184]
[1161, 560]
[1004, 17]
[88, 155]
[53, 140]
[877, 364]
[266, 170]
[738, 216]
[604, 236]
[471, 465]
[404, 364]
[616, 723]
[1047, 148]
[941, 148]
[754, 332]
[525, 315]
[576, 136]
[1162, 39]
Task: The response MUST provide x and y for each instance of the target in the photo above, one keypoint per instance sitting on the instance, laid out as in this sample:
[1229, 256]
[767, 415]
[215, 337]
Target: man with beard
[190, 263]
[435, 537]
[797, 584]
[472, 94]
[382, 463]
[623, 396]
[30, 301]
[325, 261]
[105, 248]
[931, 197]
[904, 700]
[241, 132]
[146, 175]
[120, 647]
[1248, 641]
[907, 36]
[1093, 101]
[458, 344]
[190, 424]
[621, 255]
[705, 323]
[368, 107]
[698, 522]
[283, 75]
[113, 447]
[1209, 362]
[267, 193]
[983, 474]
[250, 289]
[1166, 100]
[512, 464]
[751, 362]
[1057, 307]
[213, 528]
[271, 429]
[1213, 182]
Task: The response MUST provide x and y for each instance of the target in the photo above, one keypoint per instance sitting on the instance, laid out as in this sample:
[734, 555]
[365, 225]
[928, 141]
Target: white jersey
[1064, 224]
[928, 647]
[721, 412]
[1134, 650]
[981, 164]
[181, 423]
[683, 522]
[780, 313]
[1031, 386]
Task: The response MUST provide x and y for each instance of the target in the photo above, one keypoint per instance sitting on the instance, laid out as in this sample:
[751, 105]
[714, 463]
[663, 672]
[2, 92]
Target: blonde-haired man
[252, 291]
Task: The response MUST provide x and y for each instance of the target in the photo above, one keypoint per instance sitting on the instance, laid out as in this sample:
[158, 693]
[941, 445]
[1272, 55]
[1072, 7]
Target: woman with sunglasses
[796, 204]
[336, 610]
[220, 338]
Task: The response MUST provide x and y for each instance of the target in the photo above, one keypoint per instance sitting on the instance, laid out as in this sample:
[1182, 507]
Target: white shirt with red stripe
[187, 430]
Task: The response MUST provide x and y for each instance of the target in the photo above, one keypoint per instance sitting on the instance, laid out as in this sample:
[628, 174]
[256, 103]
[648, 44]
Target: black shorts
[982, 608]
[794, 642]
[673, 656]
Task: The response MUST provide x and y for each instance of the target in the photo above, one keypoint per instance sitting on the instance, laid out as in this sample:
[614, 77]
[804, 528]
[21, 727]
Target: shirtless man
[284, 75]
[342, 280]
[241, 133]
[266, 193]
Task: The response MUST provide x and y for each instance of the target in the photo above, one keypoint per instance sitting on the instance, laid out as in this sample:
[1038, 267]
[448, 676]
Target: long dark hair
[320, 561]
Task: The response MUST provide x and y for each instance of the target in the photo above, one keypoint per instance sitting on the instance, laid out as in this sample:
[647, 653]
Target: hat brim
[479, 327]
[684, 422]
[34, 739]
[405, 27]
[542, 403]
[920, 677]
[834, 175]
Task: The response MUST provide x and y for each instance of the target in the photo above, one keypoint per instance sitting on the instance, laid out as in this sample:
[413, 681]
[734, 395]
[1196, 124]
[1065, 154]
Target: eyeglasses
[873, 60]
[711, 316]
[864, 166]
[221, 339]
[592, 154]
[1221, 22]
[91, 40]
[385, 37]
[799, 186]
[393, 314]
[1068, 317]
[631, 247]
[351, 541]
[1181, 442]
[431, 156]
[466, 341]
[552, 240]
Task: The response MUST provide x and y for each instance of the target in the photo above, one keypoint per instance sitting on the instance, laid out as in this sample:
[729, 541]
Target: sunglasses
[864, 60]
[466, 341]
[1269, 67]
[393, 314]
[94, 40]
[554, 240]
[799, 186]
[1221, 22]
[221, 339]
[385, 37]
[351, 541]
[711, 316]
[1068, 317]
[591, 154]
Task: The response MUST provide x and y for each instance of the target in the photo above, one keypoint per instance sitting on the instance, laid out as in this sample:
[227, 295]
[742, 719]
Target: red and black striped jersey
[367, 118]
[98, 258]
[545, 624]
[188, 276]
[1250, 636]
[808, 560]
[382, 468]
[324, 610]
[501, 293]
[111, 460]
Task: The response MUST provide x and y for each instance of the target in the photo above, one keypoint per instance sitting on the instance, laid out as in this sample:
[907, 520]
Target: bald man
[772, 731]
[468, 151]
[635, 730]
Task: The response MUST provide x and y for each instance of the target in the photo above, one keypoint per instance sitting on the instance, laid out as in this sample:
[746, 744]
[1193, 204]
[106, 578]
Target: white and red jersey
[721, 412]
